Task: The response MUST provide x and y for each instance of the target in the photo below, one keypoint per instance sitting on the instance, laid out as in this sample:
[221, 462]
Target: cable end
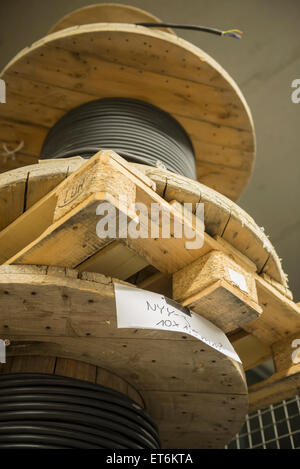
[235, 33]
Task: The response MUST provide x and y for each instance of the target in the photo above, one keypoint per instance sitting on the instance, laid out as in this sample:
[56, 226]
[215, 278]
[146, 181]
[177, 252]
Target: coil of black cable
[51, 411]
[138, 131]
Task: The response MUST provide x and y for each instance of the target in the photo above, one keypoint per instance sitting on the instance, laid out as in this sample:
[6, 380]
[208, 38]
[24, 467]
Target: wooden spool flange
[197, 396]
[83, 63]
[106, 13]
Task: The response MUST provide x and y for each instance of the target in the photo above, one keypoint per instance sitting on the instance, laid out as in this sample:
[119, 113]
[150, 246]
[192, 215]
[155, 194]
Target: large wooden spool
[82, 63]
[50, 311]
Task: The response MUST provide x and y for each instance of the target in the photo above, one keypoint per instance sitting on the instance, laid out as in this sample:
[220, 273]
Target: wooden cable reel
[56, 279]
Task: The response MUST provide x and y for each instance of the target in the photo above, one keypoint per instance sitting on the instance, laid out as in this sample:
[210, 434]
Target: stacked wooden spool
[57, 276]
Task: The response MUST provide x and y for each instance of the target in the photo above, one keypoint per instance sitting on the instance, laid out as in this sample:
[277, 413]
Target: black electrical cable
[235, 33]
[42, 410]
[117, 413]
[81, 432]
[138, 131]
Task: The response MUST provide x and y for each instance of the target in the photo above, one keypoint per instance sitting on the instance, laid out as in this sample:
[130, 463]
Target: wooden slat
[78, 244]
[206, 286]
[280, 317]
[115, 260]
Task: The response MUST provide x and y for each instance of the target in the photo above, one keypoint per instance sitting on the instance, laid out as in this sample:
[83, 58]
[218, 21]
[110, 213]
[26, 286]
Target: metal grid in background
[276, 427]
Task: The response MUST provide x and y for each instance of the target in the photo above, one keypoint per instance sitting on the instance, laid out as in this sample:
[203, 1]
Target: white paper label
[238, 279]
[142, 309]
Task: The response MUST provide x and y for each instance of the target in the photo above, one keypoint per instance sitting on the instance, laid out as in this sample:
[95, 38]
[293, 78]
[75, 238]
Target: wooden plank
[39, 222]
[280, 317]
[208, 287]
[209, 269]
[115, 260]
[29, 226]
[224, 306]
[91, 187]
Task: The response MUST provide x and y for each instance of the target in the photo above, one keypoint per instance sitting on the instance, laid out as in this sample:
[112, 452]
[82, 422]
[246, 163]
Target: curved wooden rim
[106, 13]
[84, 63]
[223, 219]
[199, 390]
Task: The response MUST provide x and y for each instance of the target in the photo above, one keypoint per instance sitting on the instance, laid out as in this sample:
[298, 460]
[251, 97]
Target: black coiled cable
[136, 130]
[51, 411]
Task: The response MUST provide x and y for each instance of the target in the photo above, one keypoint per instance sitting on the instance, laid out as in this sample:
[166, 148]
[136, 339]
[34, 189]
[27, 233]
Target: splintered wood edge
[182, 391]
